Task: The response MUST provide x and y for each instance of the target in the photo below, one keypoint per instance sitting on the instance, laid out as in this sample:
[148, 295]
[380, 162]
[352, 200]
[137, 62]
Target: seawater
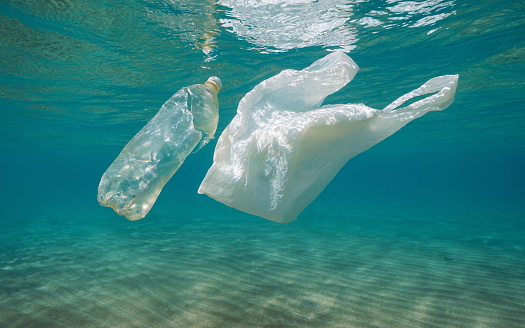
[423, 230]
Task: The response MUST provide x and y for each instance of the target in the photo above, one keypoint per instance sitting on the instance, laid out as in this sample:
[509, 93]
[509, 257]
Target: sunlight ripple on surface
[274, 25]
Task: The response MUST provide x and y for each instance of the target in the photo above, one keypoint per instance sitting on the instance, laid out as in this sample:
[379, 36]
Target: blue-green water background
[79, 78]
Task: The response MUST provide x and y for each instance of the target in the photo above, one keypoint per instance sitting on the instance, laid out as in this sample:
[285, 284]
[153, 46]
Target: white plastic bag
[187, 121]
[282, 149]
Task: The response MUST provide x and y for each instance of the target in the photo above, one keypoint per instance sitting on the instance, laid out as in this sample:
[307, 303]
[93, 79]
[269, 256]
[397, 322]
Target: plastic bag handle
[445, 86]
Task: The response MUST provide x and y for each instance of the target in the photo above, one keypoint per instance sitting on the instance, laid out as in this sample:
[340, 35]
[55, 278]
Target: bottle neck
[212, 86]
[214, 83]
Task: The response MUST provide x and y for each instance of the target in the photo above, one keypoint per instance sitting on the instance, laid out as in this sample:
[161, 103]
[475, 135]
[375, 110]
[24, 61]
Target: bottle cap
[215, 83]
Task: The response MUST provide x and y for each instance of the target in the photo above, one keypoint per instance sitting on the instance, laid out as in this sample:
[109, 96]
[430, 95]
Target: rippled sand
[221, 268]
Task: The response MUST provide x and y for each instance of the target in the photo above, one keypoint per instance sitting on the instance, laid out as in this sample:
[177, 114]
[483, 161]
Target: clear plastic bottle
[187, 121]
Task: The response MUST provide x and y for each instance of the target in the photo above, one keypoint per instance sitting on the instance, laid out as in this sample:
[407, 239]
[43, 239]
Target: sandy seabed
[228, 269]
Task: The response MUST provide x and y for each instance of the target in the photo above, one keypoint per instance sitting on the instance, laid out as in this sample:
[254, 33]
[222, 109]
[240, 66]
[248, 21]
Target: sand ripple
[204, 271]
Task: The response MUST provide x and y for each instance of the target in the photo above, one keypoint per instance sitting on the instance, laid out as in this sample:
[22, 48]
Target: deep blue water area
[425, 229]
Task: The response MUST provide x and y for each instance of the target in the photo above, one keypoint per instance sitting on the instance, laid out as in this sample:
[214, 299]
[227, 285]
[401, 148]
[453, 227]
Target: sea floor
[216, 267]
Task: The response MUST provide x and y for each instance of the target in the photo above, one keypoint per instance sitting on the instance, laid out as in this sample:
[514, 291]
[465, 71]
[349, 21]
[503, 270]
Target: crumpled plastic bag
[282, 149]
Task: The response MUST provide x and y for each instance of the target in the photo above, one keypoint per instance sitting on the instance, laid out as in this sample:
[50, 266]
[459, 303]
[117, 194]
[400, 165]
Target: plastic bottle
[187, 121]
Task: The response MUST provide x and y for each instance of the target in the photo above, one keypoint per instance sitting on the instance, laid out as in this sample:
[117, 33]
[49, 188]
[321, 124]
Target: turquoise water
[425, 229]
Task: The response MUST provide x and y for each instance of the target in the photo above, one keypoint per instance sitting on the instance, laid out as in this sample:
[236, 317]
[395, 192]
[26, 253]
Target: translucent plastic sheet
[282, 149]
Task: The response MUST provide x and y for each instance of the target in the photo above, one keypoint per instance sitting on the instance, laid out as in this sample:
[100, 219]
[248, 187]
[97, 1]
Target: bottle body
[135, 179]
